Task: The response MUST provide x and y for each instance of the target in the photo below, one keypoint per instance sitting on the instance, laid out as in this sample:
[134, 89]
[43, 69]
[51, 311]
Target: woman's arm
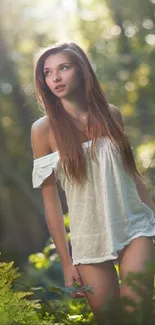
[52, 206]
[141, 187]
[55, 222]
[54, 218]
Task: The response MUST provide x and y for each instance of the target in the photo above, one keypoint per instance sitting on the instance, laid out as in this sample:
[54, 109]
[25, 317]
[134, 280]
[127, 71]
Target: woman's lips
[59, 88]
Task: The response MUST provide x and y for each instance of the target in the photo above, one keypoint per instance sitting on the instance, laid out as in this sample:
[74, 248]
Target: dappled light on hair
[100, 120]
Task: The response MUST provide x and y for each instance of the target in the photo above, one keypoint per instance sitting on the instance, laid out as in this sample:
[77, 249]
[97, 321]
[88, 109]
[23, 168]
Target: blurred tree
[135, 19]
[23, 226]
[121, 49]
[19, 204]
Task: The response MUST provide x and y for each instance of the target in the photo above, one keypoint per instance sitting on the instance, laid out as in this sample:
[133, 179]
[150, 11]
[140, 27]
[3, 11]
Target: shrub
[15, 308]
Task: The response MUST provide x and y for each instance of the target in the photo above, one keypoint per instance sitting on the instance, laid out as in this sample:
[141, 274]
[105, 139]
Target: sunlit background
[119, 38]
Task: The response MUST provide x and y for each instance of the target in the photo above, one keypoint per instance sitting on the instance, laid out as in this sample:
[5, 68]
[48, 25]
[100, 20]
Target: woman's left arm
[141, 187]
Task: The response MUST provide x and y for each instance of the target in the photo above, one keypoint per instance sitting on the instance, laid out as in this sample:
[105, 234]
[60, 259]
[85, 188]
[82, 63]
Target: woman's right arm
[52, 206]
[54, 218]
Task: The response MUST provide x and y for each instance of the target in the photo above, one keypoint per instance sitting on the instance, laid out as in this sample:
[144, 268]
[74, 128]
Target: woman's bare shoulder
[41, 125]
[40, 137]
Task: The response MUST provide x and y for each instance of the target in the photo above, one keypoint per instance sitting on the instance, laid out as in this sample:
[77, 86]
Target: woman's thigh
[134, 258]
[102, 278]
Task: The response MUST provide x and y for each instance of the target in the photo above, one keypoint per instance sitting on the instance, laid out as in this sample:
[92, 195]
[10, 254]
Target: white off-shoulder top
[107, 212]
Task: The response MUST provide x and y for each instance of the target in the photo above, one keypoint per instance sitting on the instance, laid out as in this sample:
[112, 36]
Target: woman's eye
[65, 67]
[47, 73]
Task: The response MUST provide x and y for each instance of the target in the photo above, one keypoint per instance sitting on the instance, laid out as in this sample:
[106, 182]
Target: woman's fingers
[80, 293]
[72, 277]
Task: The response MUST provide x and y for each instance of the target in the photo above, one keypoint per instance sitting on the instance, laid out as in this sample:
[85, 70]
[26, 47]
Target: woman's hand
[72, 276]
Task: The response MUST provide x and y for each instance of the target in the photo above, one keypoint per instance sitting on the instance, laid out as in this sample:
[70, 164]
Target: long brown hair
[100, 123]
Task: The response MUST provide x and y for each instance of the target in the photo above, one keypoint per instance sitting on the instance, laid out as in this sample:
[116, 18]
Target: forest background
[119, 38]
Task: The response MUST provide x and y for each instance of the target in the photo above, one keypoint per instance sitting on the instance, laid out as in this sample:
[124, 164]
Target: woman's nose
[56, 77]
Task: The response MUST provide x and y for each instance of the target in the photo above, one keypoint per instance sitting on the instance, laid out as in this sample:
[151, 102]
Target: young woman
[81, 141]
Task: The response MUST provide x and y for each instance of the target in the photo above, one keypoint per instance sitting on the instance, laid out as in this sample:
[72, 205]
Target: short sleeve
[44, 167]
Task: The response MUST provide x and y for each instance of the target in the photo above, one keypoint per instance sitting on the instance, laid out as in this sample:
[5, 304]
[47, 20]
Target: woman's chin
[65, 95]
[62, 94]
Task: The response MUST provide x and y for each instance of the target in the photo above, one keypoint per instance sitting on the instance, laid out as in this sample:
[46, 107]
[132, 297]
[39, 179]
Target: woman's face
[61, 75]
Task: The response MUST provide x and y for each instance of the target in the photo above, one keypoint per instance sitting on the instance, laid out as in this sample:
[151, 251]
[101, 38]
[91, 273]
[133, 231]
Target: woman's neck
[78, 111]
[75, 106]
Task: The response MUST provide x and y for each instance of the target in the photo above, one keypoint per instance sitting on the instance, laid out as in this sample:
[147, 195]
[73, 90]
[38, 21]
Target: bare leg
[134, 258]
[103, 280]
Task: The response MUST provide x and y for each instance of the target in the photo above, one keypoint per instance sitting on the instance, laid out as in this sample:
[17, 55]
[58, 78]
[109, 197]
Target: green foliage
[77, 311]
[18, 308]
[15, 308]
[119, 40]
